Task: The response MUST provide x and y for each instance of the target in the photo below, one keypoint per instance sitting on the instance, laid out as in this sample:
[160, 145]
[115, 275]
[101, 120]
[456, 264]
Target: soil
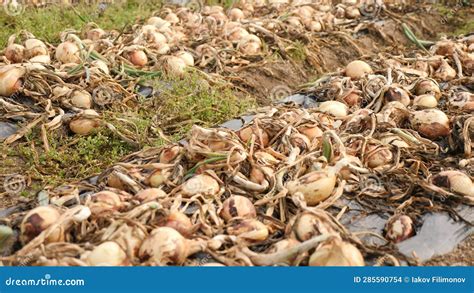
[463, 255]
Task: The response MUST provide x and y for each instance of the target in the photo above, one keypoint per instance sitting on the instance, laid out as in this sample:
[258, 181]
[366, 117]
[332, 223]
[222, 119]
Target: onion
[445, 72]
[138, 58]
[35, 47]
[68, 52]
[43, 59]
[314, 26]
[237, 34]
[237, 206]
[173, 65]
[85, 123]
[352, 99]
[157, 38]
[462, 100]
[333, 108]
[105, 202]
[431, 123]
[336, 252]
[100, 65]
[428, 86]
[168, 154]
[378, 156]
[304, 12]
[396, 93]
[157, 177]
[15, 53]
[249, 48]
[357, 69]
[172, 18]
[38, 220]
[200, 184]
[311, 132]
[107, 254]
[158, 22]
[352, 12]
[261, 136]
[186, 57]
[426, 101]
[454, 181]
[165, 245]
[249, 229]
[399, 228]
[150, 194]
[95, 34]
[394, 140]
[308, 225]
[81, 99]
[235, 14]
[130, 239]
[284, 245]
[180, 222]
[10, 79]
[315, 186]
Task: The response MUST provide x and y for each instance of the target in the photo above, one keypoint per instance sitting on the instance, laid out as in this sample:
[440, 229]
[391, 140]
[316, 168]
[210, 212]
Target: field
[116, 136]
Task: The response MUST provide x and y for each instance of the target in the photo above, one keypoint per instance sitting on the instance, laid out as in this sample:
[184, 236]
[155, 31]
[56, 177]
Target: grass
[46, 23]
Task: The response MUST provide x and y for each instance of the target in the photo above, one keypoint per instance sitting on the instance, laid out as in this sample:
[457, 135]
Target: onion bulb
[150, 194]
[261, 136]
[43, 59]
[35, 47]
[237, 206]
[68, 52]
[105, 202]
[352, 12]
[333, 108]
[10, 79]
[95, 34]
[200, 184]
[428, 86]
[165, 245]
[397, 93]
[426, 101]
[284, 245]
[336, 252]
[445, 72]
[107, 254]
[315, 186]
[454, 181]
[235, 14]
[308, 225]
[173, 65]
[38, 220]
[138, 58]
[378, 156]
[15, 53]
[462, 100]
[168, 154]
[357, 69]
[186, 57]
[81, 99]
[249, 229]
[431, 123]
[85, 123]
[399, 228]
[180, 222]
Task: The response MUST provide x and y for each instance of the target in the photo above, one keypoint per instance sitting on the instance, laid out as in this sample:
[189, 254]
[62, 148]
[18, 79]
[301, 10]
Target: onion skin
[431, 123]
[426, 101]
[315, 186]
[68, 52]
[164, 246]
[200, 184]
[107, 254]
[399, 228]
[336, 253]
[454, 181]
[35, 47]
[38, 220]
[180, 222]
[237, 206]
[378, 156]
[308, 225]
[357, 69]
[249, 229]
[150, 194]
[10, 79]
[15, 53]
[334, 108]
[138, 58]
[395, 93]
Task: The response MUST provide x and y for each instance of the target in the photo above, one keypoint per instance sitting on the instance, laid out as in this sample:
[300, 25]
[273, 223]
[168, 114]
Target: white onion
[186, 57]
[336, 253]
[426, 101]
[235, 14]
[397, 93]
[431, 123]
[200, 184]
[428, 86]
[333, 108]
[315, 186]
[180, 222]
[81, 99]
[164, 246]
[173, 65]
[42, 59]
[38, 220]
[10, 79]
[107, 254]
[249, 229]
[357, 69]
[308, 225]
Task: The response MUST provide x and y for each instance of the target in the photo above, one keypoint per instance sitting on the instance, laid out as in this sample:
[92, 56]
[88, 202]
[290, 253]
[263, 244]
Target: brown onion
[86, 123]
[399, 228]
[105, 202]
[431, 123]
[237, 206]
[138, 58]
[397, 93]
[35, 47]
[15, 53]
[378, 156]
[173, 65]
[81, 99]
[428, 86]
[38, 220]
